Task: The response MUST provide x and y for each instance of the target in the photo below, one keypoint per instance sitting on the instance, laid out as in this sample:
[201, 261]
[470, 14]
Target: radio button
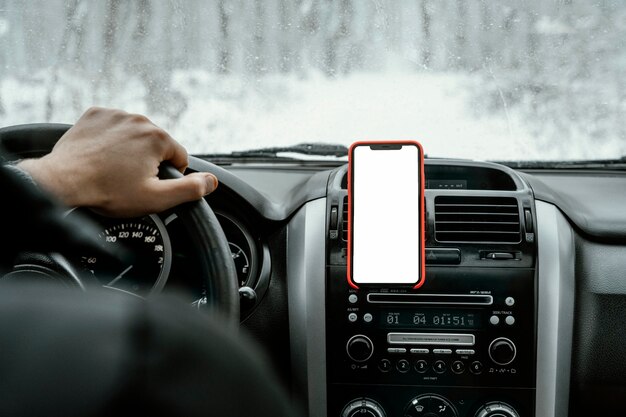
[465, 351]
[494, 320]
[510, 320]
[420, 351]
[353, 298]
[442, 351]
[476, 367]
[458, 367]
[443, 256]
[367, 317]
[396, 350]
[509, 301]
[352, 317]
[439, 367]
[403, 366]
[421, 366]
[384, 365]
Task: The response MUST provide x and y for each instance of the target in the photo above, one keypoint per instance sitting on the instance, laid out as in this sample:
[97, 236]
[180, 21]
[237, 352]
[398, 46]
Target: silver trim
[68, 268]
[170, 218]
[436, 339]
[306, 293]
[442, 296]
[363, 403]
[555, 310]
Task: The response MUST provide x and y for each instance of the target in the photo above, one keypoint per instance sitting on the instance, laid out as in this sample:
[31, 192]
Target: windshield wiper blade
[619, 163]
[309, 149]
[314, 149]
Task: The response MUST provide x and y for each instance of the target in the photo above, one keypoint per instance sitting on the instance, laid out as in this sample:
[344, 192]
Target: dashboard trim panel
[555, 310]
[306, 289]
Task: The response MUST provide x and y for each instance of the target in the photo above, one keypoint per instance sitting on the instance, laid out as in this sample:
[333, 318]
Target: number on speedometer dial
[145, 242]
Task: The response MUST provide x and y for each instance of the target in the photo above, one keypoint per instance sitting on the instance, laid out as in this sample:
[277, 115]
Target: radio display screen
[431, 319]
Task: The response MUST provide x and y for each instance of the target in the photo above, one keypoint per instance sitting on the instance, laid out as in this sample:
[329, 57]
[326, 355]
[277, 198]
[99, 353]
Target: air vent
[344, 220]
[477, 219]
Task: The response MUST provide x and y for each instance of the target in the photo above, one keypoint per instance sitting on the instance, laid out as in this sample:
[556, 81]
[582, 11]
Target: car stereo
[462, 345]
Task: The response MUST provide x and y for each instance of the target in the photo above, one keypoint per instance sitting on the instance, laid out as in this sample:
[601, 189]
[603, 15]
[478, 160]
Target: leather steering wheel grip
[216, 263]
[212, 246]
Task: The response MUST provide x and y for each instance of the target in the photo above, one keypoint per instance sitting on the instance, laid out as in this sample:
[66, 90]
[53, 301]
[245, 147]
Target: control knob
[496, 409]
[360, 348]
[502, 351]
[363, 407]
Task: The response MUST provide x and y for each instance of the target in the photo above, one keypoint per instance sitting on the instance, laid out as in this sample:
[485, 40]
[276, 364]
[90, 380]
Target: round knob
[360, 348]
[502, 351]
[363, 407]
[430, 405]
[496, 409]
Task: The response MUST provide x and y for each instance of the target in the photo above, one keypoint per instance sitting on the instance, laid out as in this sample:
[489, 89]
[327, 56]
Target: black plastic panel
[598, 364]
[499, 382]
[593, 200]
[468, 178]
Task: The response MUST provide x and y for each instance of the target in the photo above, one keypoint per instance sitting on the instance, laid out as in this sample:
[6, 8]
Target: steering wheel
[216, 263]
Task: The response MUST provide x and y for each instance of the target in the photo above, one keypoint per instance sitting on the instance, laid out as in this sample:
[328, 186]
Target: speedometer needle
[117, 278]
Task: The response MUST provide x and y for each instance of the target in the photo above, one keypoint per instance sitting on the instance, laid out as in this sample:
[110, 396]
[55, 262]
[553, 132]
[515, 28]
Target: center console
[464, 344]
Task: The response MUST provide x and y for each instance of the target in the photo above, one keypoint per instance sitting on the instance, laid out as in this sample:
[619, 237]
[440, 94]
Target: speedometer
[145, 240]
[242, 249]
[242, 263]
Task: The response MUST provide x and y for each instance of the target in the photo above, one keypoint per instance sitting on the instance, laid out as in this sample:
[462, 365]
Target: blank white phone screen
[386, 234]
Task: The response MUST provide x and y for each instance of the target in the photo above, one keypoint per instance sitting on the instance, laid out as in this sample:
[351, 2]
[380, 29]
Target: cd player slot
[448, 299]
[430, 339]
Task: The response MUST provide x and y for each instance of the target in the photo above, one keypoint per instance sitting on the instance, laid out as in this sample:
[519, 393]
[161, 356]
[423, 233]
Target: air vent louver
[344, 220]
[477, 219]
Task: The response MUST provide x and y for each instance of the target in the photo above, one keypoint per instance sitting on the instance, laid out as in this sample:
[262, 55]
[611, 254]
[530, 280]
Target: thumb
[169, 193]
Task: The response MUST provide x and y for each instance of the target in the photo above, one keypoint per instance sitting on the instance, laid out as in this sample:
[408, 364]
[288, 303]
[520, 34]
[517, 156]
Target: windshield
[490, 79]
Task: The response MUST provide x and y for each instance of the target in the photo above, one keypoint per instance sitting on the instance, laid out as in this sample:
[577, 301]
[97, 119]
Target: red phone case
[421, 213]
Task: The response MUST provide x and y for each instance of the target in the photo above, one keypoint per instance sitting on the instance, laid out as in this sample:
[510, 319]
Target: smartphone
[386, 244]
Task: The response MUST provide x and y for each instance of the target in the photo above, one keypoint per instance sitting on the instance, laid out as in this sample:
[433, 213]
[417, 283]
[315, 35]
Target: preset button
[421, 366]
[439, 367]
[403, 365]
[476, 367]
[458, 367]
[384, 365]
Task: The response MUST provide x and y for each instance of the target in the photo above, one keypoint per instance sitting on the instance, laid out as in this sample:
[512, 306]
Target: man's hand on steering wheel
[109, 161]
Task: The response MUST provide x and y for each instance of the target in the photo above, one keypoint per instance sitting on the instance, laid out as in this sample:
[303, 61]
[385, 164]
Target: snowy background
[484, 79]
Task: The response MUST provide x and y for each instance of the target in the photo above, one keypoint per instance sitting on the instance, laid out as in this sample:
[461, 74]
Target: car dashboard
[523, 290]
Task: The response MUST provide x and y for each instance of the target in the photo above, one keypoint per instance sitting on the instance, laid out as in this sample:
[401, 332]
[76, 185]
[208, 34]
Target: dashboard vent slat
[344, 220]
[477, 219]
